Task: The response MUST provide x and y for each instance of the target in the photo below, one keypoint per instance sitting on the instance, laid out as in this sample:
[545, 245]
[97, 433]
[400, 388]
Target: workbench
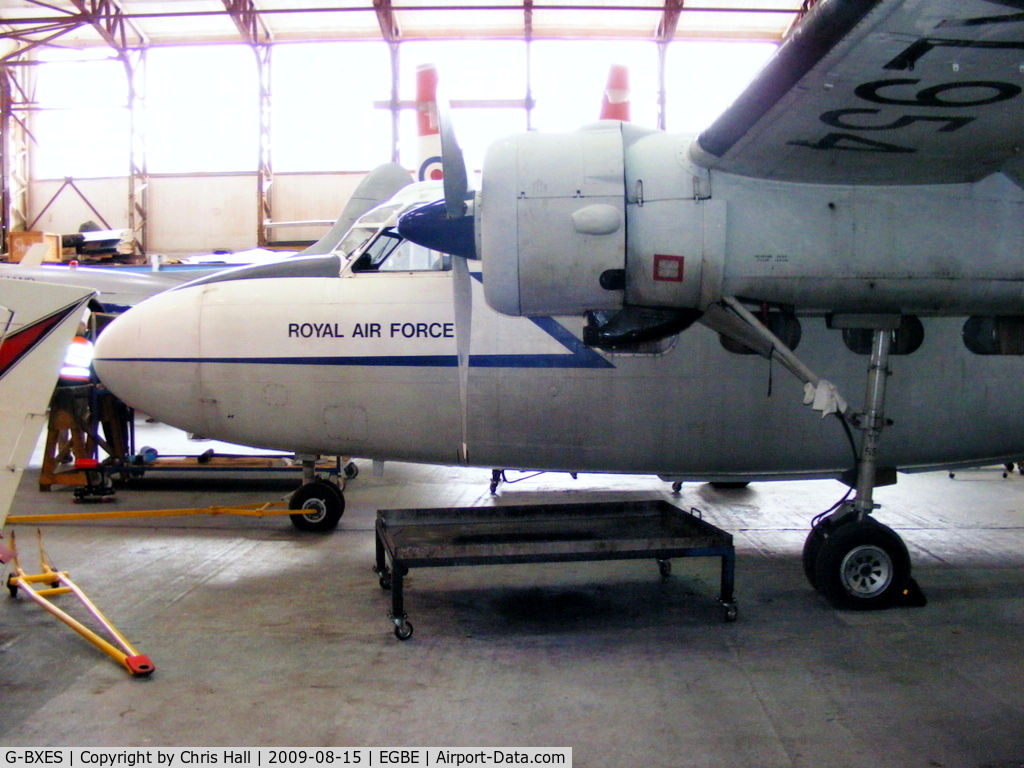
[541, 533]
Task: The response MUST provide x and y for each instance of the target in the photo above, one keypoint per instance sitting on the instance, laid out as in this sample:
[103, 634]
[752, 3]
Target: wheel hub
[314, 510]
[866, 570]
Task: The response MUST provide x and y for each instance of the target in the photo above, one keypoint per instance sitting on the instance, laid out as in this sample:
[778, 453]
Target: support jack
[59, 583]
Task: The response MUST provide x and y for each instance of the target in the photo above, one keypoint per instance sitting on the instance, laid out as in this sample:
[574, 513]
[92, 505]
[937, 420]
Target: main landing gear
[854, 561]
[320, 501]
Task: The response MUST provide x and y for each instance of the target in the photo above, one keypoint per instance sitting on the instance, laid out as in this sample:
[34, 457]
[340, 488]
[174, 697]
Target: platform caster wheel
[385, 580]
[677, 486]
[322, 503]
[351, 471]
[862, 565]
[403, 630]
[665, 568]
[729, 612]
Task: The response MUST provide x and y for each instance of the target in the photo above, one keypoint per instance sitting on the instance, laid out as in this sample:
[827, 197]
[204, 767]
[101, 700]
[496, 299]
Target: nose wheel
[319, 506]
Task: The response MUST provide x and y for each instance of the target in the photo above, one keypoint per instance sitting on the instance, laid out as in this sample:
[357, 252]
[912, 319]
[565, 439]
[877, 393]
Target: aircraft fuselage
[316, 357]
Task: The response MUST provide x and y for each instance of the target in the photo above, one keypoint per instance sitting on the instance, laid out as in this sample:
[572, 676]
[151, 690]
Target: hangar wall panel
[68, 211]
[309, 196]
[201, 214]
[197, 214]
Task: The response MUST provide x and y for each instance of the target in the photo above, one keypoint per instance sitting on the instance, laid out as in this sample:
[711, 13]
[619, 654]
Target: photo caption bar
[287, 757]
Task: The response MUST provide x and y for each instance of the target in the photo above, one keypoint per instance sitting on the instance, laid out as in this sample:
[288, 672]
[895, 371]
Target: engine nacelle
[596, 222]
[551, 222]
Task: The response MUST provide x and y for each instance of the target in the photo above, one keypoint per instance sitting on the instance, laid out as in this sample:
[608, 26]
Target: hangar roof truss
[126, 24]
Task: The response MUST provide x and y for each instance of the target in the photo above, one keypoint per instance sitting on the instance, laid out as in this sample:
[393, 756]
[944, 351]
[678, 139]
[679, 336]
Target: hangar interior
[264, 635]
[208, 125]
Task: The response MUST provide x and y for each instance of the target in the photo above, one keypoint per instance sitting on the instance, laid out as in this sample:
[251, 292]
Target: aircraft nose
[430, 227]
[148, 357]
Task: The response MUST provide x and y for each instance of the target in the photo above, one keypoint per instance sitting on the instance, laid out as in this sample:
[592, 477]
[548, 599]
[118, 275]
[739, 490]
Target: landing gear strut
[854, 561]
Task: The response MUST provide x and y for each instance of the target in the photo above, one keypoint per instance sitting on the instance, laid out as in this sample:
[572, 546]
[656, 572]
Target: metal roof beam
[669, 20]
[108, 18]
[27, 42]
[248, 19]
[386, 18]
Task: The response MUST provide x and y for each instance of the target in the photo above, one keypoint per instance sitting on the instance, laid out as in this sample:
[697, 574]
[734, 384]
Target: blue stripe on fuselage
[581, 356]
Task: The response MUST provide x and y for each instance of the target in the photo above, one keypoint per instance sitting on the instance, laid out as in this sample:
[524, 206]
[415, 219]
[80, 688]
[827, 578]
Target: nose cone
[430, 227]
[148, 357]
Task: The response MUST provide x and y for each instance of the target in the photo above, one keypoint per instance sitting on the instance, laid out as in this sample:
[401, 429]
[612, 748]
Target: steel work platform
[542, 533]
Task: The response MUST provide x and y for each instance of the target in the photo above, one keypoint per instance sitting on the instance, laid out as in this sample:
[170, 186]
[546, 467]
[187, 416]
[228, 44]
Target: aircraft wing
[37, 321]
[883, 92]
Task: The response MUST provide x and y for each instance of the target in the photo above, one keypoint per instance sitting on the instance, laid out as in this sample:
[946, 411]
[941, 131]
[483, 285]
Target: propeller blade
[462, 286]
[456, 183]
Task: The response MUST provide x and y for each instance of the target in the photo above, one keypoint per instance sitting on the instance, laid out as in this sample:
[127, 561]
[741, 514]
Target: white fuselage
[367, 364]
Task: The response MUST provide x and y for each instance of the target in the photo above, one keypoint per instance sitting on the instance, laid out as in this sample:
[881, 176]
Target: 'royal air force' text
[372, 331]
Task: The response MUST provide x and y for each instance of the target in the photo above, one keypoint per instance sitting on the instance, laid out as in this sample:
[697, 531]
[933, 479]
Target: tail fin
[615, 104]
[379, 185]
[37, 321]
[34, 255]
[428, 124]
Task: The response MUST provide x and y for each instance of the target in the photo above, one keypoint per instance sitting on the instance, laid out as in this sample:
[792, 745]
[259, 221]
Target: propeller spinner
[445, 225]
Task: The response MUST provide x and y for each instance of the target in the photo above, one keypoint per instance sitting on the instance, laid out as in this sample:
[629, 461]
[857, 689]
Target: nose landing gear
[320, 502]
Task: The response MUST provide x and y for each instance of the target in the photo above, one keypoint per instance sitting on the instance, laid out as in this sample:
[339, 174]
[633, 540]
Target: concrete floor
[262, 635]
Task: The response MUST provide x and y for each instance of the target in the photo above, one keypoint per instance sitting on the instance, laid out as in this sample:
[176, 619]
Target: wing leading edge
[883, 92]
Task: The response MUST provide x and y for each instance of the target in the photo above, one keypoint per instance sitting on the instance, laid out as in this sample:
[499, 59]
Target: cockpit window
[380, 214]
[353, 240]
[390, 252]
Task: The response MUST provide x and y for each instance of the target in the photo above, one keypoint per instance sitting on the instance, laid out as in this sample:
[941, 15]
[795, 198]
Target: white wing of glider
[37, 322]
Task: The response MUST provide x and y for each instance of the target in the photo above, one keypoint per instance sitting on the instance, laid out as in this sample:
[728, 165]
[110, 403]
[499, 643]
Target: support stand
[544, 533]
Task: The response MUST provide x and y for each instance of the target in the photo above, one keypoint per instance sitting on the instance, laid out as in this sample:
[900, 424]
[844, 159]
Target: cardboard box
[20, 242]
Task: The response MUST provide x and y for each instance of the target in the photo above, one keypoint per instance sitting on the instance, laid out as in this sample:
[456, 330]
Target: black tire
[325, 504]
[812, 545]
[862, 565]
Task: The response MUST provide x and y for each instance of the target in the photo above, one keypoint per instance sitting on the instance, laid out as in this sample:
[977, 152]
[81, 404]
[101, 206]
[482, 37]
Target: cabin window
[390, 252]
[786, 327]
[906, 339]
[995, 335]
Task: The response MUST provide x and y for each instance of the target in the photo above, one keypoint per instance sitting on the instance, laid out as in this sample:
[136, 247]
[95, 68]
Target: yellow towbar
[60, 584]
[246, 510]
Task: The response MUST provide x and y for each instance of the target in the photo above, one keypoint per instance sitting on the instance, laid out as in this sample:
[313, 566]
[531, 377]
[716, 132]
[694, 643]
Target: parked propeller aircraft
[614, 293]
[116, 290]
[37, 321]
